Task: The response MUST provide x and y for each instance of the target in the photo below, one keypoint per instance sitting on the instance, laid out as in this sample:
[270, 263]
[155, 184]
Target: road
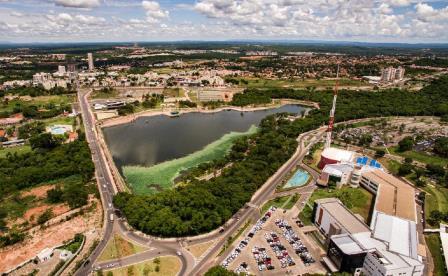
[163, 247]
[107, 191]
[262, 195]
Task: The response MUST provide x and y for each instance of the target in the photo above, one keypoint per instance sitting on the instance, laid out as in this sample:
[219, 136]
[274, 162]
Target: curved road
[162, 247]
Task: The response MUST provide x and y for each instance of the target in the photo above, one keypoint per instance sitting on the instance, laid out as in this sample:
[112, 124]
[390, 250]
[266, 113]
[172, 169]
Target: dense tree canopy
[29, 169]
[204, 205]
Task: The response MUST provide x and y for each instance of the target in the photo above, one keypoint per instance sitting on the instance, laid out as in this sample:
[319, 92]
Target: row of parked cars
[262, 258]
[280, 251]
[300, 249]
[257, 227]
[242, 268]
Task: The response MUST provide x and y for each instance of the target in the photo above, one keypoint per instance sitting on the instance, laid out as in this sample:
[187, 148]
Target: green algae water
[149, 141]
[146, 180]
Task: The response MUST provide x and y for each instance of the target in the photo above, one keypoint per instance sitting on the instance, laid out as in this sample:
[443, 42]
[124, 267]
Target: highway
[163, 247]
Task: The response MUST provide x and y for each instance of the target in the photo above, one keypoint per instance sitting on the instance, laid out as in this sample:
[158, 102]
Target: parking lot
[275, 246]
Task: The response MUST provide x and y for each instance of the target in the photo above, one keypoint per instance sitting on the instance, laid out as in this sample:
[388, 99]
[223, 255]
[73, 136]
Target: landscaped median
[118, 247]
[162, 266]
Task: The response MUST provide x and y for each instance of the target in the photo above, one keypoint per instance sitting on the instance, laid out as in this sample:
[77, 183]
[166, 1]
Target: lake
[152, 140]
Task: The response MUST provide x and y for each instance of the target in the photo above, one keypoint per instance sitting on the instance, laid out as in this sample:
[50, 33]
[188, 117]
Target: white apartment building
[90, 61]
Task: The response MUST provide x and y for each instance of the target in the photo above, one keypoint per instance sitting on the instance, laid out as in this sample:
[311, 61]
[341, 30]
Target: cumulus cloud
[153, 11]
[426, 12]
[359, 20]
[85, 4]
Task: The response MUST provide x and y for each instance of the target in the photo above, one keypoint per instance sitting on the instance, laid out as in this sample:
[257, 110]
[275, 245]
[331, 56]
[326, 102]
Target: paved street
[163, 247]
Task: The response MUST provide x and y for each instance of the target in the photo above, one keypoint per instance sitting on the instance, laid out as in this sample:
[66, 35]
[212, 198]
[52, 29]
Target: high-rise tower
[90, 60]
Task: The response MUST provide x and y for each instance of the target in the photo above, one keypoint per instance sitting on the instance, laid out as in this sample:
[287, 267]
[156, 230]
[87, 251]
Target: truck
[111, 217]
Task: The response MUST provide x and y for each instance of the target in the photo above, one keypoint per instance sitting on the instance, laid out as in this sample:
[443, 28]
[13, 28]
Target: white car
[179, 253]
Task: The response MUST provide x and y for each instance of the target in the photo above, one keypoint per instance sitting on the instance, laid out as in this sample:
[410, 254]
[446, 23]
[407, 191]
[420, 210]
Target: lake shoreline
[150, 113]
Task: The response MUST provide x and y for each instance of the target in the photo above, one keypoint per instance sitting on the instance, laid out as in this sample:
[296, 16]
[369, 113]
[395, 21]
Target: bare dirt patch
[32, 214]
[52, 236]
[39, 192]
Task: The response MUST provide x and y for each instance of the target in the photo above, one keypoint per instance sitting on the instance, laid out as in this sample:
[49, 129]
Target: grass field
[264, 83]
[357, 200]
[436, 199]
[59, 121]
[167, 266]
[38, 101]
[12, 150]
[434, 245]
[421, 157]
[140, 178]
[118, 247]
[285, 202]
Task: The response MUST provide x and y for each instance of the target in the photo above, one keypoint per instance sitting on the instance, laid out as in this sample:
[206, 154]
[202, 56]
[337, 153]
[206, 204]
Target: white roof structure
[45, 254]
[338, 169]
[400, 234]
[339, 155]
[444, 239]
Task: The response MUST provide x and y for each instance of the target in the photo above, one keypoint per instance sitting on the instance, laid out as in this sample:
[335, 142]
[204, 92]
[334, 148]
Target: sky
[409, 21]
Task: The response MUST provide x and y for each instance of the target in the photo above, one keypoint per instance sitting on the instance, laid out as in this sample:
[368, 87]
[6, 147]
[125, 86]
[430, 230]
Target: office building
[90, 61]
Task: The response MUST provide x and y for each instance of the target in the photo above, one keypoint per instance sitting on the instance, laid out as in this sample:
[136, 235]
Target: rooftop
[394, 197]
[344, 217]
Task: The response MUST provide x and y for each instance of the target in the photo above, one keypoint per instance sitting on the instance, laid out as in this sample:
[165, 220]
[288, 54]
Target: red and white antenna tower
[332, 111]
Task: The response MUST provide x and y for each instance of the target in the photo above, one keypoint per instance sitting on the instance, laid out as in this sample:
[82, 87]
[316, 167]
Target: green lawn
[285, 202]
[38, 101]
[118, 247]
[436, 199]
[306, 215]
[357, 200]
[59, 121]
[265, 83]
[12, 150]
[434, 245]
[420, 156]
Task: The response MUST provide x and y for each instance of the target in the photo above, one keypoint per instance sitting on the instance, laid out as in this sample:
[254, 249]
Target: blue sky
[168, 20]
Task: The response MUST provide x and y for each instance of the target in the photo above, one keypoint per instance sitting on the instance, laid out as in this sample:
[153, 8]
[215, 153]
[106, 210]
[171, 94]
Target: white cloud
[426, 12]
[400, 3]
[153, 11]
[86, 4]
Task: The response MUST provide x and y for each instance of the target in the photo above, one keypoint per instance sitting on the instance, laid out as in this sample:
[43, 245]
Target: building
[61, 70]
[45, 255]
[333, 218]
[444, 241]
[341, 172]
[393, 196]
[389, 247]
[391, 74]
[90, 61]
[335, 155]
[40, 78]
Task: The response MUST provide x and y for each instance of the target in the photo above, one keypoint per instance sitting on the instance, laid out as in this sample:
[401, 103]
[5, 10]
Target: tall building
[61, 70]
[391, 74]
[90, 60]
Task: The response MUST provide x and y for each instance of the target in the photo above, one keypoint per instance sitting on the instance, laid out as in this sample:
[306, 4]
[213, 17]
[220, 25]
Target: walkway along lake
[148, 141]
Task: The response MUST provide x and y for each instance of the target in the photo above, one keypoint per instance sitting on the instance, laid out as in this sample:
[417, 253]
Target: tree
[44, 141]
[435, 217]
[441, 146]
[55, 195]
[380, 153]
[219, 271]
[435, 170]
[405, 144]
[75, 195]
[408, 160]
[365, 140]
[405, 169]
[45, 216]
